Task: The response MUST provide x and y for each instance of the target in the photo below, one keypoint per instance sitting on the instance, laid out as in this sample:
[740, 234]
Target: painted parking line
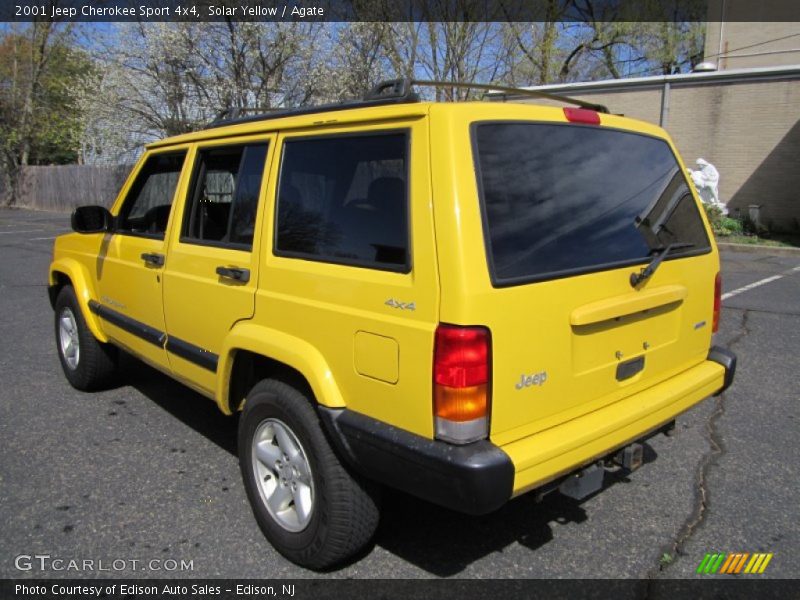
[21, 231]
[52, 237]
[759, 283]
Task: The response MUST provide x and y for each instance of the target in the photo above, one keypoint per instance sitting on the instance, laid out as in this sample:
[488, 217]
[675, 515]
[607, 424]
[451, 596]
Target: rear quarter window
[568, 199]
[344, 199]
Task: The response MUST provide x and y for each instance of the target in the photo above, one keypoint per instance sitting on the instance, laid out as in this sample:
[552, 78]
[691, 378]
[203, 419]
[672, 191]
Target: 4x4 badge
[401, 305]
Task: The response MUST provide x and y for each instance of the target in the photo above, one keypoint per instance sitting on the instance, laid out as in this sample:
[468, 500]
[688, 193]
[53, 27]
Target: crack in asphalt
[782, 313]
[716, 450]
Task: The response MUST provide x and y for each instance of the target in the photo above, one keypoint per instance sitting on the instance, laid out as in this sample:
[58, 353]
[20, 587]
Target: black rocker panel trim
[195, 354]
[137, 328]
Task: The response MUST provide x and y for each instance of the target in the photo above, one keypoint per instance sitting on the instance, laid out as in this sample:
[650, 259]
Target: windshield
[564, 199]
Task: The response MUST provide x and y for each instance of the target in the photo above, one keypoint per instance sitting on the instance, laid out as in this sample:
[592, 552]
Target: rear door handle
[234, 273]
[151, 258]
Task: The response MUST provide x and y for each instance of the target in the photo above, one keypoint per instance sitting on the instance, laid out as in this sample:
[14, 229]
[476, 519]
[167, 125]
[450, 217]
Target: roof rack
[386, 92]
[393, 91]
[236, 112]
[512, 90]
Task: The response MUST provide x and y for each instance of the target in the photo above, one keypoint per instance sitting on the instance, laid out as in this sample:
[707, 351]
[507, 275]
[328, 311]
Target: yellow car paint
[338, 324]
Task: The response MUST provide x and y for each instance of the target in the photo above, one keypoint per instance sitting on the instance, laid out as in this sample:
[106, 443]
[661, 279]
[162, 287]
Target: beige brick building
[741, 45]
[745, 121]
[735, 41]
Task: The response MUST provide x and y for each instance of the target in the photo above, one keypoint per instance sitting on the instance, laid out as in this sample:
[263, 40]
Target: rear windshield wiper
[647, 272]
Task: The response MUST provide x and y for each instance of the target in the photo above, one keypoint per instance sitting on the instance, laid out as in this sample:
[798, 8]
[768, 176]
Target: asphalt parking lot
[148, 471]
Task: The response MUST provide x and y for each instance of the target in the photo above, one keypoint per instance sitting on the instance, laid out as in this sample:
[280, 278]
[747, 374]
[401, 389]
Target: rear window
[564, 199]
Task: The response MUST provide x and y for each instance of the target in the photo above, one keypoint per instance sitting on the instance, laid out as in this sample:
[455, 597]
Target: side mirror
[91, 219]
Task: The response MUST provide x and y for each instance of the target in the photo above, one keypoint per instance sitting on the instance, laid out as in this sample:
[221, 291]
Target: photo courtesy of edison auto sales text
[99, 591]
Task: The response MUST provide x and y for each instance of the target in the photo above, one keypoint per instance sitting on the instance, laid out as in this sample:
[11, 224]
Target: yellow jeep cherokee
[465, 301]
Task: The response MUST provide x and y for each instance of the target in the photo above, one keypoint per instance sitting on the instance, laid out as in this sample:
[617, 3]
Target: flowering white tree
[160, 79]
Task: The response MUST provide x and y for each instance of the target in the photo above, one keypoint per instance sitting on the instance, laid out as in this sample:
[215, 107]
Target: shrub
[713, 213]
[733, 226]
[723, 225]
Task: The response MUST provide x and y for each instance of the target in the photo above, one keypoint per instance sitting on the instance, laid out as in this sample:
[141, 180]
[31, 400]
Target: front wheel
[88, 364]
[309, 506]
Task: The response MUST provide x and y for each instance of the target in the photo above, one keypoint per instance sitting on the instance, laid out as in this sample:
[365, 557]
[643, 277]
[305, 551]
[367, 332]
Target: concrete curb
[755, 248]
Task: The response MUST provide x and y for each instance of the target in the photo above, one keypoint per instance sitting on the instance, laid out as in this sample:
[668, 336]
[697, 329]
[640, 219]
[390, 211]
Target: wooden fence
[63, 187]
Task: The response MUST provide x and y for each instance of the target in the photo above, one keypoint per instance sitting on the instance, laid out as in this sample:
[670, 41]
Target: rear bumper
[554, 452]
[480, 477]
[727, 359]
[475, 479]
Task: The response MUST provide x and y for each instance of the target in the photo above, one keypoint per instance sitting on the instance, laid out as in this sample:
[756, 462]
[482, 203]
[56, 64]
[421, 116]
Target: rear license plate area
[629, 368]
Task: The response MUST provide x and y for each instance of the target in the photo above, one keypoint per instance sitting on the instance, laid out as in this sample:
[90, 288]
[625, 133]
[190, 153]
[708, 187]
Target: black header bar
[398, 10]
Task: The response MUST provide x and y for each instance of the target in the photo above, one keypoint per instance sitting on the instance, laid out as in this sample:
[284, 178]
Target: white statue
[706, 180]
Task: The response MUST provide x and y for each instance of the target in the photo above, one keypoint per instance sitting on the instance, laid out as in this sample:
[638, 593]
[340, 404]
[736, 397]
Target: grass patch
[728, 230]
[776, 240]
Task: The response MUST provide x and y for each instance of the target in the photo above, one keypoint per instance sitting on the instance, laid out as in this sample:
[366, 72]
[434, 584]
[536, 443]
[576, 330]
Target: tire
[330, 514]
[87, 363]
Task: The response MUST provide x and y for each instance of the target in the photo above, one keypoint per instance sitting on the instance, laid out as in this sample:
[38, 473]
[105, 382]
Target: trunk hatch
[570, 212]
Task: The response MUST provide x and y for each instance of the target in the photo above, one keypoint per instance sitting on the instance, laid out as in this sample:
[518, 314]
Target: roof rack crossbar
[512, 90]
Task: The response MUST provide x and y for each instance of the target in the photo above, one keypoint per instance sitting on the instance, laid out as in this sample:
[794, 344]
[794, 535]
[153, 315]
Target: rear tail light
[461, 383]
[717, 303]
[582, 115]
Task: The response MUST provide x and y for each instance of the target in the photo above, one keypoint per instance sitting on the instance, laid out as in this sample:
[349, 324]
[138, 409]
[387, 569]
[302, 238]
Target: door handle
[234, 273]
[151, 258]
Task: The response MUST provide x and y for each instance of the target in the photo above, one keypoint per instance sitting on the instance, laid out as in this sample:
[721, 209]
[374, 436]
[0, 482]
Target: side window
[223, 198]
[344, 199]
[146, 208]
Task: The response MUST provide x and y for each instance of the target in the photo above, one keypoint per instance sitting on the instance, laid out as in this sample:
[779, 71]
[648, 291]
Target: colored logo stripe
[729, 562]
[703, 564]
[710, 563]
[734, 563]
[758, 563]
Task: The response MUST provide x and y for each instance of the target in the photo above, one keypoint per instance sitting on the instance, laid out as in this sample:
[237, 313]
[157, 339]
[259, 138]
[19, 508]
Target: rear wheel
[87, 363]
[309, 506]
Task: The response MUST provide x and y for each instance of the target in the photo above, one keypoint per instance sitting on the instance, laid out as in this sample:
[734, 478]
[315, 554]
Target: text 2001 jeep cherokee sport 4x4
[466, 301]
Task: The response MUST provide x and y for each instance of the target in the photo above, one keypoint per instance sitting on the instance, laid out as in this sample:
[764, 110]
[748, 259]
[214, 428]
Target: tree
[39, 120]
[152, 71]
[536, 50]
[165, 79]
[583, 40]
[357, 61]
[459, 52]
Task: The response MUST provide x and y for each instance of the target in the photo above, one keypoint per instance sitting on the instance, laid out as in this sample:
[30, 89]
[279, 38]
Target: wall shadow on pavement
[440, 541]
[186, 405]
[444, 543]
